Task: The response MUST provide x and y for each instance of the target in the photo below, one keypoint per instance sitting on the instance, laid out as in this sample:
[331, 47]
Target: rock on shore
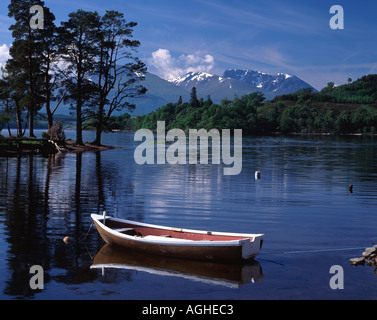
[368, 257]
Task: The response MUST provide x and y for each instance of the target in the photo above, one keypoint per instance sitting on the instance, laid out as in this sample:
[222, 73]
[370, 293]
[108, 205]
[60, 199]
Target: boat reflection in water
[226, 274]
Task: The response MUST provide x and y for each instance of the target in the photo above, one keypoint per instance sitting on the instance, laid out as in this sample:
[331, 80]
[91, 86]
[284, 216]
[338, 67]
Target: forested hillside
[350, 108]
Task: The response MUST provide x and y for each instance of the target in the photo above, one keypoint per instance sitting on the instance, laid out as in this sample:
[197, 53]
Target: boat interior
[174, 233]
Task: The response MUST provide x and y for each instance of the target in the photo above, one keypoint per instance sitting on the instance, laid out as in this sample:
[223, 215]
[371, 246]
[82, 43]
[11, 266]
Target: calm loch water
[302, 204]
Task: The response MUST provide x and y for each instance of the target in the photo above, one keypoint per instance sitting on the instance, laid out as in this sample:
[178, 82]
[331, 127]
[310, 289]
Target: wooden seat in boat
[129, 231]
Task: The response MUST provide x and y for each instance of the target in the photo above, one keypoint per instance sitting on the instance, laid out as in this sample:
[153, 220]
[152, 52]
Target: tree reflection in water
[46, 199]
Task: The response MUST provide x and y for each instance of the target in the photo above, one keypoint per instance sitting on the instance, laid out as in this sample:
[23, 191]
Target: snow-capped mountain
[277, 84]
[239, 82]
[212, 85]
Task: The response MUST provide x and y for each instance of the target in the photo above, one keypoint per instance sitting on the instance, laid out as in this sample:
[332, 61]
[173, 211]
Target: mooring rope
[316, 250]
[323, 250]
[88, 231]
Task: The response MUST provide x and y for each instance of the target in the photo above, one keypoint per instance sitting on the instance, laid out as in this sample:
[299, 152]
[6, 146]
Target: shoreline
[279, 133]
[24, 146]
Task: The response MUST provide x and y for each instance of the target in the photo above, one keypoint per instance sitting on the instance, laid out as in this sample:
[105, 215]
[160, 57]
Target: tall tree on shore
[79, 38]
[25, 58]
[49, 59]
[118, 71]
[11, 95]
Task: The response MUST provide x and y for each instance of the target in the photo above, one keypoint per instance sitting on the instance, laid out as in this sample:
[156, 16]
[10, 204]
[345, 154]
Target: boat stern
[251, 249]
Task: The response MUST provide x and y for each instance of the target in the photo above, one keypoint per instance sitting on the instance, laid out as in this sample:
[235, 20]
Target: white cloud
[4, 54]
[169, 67]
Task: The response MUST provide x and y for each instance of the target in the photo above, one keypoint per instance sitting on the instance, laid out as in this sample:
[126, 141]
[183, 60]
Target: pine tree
[79, 39]
[194, 99]
[11, 95]
[49, 45]
[25, 55]
[118, 71]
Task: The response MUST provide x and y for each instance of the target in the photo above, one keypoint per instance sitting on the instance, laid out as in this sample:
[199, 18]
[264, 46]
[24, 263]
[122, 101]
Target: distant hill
[160, 92]
[361, 91]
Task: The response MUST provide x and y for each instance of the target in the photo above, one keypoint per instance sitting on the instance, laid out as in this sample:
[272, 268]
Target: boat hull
[234, 250]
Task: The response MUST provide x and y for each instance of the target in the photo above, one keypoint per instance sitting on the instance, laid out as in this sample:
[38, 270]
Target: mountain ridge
[239, 82]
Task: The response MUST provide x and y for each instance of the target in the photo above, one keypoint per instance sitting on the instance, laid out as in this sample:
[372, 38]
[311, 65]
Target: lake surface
[302, 204]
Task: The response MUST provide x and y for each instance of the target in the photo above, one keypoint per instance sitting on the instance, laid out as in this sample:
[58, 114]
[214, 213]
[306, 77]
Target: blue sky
[271, 36]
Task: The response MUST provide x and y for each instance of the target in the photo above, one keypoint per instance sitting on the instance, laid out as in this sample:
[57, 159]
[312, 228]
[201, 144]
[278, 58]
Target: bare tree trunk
[50, 120]
[19, 121]
[10, 133]
[79, 123]
[97, 140]
[99, 127]
[31, 123]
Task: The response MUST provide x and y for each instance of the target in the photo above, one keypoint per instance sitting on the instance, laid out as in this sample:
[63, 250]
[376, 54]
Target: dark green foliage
[194, 99]
[239, 113]
[361, 91]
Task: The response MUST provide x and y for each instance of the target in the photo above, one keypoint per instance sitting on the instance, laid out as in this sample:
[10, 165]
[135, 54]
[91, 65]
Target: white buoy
[257, 174]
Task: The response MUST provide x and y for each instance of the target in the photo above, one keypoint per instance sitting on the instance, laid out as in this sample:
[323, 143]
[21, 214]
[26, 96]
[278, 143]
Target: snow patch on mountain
[193, 77]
